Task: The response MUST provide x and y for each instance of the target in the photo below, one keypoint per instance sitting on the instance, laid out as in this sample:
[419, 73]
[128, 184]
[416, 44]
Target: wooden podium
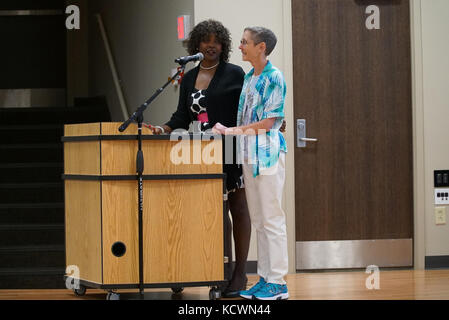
[183, 207]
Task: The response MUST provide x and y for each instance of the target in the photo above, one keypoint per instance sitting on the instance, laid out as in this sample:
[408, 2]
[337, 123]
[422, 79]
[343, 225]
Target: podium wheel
[112, 296]
[214, 294]
[177, 290]
[81, 291]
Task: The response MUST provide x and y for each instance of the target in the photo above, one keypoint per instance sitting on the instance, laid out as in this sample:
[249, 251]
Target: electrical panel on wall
[441, 178]
[441, 183]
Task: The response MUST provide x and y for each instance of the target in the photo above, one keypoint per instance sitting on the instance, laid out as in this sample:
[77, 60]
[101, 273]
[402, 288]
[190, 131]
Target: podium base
[177, 290]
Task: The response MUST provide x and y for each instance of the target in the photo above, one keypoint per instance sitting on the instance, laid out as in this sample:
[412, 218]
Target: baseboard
[437, 262]
[353, 254]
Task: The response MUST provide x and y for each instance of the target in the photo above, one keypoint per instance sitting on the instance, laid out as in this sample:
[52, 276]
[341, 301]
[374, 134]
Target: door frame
[417, 126]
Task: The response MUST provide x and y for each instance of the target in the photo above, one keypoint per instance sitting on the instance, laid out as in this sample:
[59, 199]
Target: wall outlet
[440, 215]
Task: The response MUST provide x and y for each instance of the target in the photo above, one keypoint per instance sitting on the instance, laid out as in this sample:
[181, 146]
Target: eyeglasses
[243, 42]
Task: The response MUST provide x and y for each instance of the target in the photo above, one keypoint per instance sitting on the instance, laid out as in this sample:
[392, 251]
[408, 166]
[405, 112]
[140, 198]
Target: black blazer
[222, 97]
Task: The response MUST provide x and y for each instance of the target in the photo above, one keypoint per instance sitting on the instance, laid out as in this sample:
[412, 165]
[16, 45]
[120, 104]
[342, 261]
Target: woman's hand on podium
[157, 130]
[219, 128]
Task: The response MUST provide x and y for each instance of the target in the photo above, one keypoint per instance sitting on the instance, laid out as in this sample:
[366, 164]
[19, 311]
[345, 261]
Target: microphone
[184, 60]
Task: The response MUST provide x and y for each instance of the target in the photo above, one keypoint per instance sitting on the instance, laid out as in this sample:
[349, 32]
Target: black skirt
[234, 177]
[233, 171]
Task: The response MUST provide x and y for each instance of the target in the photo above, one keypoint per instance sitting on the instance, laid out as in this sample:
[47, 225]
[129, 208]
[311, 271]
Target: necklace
[209, 68]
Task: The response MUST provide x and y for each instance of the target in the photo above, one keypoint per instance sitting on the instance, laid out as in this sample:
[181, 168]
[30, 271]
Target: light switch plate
[440, 215]
[442, 196]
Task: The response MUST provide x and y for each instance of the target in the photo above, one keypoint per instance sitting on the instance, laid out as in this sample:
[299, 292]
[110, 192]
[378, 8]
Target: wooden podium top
[101, 128]
[99, 149]
[73, 131]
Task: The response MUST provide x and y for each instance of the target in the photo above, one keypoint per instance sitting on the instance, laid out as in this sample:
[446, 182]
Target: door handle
[301, 134]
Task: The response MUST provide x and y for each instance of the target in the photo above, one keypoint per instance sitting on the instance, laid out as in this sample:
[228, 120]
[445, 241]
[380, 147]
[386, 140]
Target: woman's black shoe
[232, 293]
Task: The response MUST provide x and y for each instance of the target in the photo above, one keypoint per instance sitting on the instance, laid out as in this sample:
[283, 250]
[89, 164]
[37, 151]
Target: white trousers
[264, 197]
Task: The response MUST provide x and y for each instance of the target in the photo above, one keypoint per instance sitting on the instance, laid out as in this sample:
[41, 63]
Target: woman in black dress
[209, 94]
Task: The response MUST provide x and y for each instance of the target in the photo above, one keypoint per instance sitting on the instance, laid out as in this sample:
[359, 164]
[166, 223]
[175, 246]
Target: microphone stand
[138, 116]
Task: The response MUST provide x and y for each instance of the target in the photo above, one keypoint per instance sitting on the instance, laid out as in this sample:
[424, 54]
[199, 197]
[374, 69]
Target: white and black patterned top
[198, 107]
[198, 101]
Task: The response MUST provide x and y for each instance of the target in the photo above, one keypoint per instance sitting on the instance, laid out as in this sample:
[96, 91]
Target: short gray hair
[261, 34]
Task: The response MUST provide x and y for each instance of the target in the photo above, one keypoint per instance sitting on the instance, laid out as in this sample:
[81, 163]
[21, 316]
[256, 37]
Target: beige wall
[275, 15]
[418, 136]
[434, 76]
[143, 39]
[78, 56]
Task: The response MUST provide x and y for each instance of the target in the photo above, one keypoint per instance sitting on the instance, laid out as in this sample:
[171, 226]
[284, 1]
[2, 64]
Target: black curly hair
[203, 30]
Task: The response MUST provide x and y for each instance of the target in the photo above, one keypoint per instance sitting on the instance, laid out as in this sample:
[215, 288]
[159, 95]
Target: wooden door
[352, 85]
